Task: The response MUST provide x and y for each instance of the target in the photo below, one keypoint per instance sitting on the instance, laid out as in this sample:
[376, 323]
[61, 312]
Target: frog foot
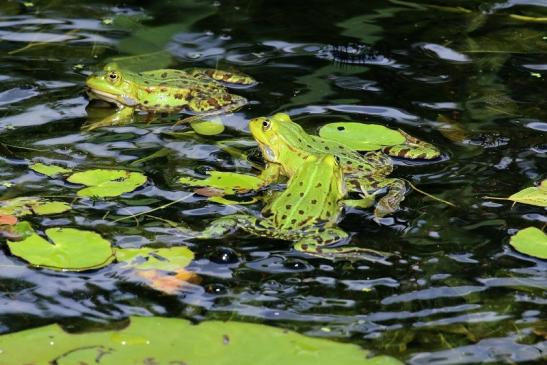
[413, 149]
[351, 253]
[390, 202]
[236, 103]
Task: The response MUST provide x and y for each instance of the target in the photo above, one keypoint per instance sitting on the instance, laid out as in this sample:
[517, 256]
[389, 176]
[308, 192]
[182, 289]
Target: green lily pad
[72, 249]
[530, 241]
[167, 259]
[49, 170]
[107, 183]
[208, 127]
[227, 182]
[361, 137]
[533, 195]
[28, 205]
[163, 341]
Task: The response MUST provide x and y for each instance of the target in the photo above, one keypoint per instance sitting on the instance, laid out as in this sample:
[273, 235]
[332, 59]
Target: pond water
[467, 76]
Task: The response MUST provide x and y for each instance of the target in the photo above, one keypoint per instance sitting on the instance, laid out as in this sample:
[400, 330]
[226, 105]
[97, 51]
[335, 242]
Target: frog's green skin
[285, 146]
[306, 212]
[194, 90]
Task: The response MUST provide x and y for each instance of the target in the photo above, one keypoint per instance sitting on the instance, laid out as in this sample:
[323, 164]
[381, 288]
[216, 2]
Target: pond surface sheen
[468, 76]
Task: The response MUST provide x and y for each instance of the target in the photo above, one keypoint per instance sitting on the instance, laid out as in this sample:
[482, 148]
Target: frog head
[113, 85]
[280, 139]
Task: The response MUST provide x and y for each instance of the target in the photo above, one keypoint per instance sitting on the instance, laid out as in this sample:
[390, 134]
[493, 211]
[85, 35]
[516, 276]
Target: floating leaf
[533, 195]
[530, 241]
[361, 137]
[208, 127]
[72, 249]
[27, 205]
[107, 183]
[165, 341]
[228, 182]
[167, 259]
[49, 170]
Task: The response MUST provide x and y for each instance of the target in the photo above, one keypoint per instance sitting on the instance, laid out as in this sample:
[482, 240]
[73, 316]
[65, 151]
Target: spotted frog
[285, 146]
[196, 90]
[306, 212]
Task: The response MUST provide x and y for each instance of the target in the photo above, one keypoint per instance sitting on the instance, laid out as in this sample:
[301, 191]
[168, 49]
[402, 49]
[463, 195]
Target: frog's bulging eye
[266, 125]
[113, 76]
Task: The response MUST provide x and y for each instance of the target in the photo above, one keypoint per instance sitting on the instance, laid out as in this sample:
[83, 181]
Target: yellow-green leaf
[227, 182]
[49, 170]
[167, 259]
[533, 195]
[208, 127]
[107, 183]
[530, 241]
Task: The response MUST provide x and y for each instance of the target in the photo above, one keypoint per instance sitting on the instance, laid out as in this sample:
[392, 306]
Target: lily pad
[208, 127]
[49, 170]
[361, 137]
[533, 195]
[162, 341]
[227, 182]
[107, 183]
[72, 249]
[530, 241]
[167, 259]
[28, 205]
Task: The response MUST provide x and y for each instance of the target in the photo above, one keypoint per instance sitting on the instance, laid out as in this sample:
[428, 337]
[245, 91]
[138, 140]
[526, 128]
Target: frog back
[311, 197]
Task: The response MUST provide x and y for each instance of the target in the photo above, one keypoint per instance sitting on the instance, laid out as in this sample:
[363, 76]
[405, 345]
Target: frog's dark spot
[314, 201]
[178, 96]
[225, 339]
[301, 183]
[360, 166]
[327, 148]
[146, 82]
[146, 101]
[289, 194]
[213, 102]
[328, 214]
[156, 106]
[163, 89]
[318, 185]
[301, 195]
[349, 162]
[341, 128]
[299, 139]
[284, 216]
[293, 221]
[301, 212]
[163, 84]
[288, 206]
[309, 146]
[164, 75]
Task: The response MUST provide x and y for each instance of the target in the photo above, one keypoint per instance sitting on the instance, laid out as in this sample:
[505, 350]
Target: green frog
[306, 212]
[196, 90]
[285, 145]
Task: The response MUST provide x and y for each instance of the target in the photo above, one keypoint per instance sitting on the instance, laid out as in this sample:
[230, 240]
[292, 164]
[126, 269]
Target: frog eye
[266, 125]
[113, 76]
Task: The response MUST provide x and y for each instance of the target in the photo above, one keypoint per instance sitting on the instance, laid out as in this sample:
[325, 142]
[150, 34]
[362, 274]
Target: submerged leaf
[530, 241]
[227, 182]
[72, 249]
[107, 183]
[167, 259]
[49, 170]
[361, 137]
[28, 205]
[174, 341]
[168, 284]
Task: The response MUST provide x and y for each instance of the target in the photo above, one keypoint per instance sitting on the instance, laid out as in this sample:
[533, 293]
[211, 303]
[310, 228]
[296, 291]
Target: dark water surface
[468, 76]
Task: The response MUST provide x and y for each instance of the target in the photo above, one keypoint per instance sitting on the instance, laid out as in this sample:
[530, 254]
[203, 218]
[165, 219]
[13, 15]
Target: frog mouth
[101, 95]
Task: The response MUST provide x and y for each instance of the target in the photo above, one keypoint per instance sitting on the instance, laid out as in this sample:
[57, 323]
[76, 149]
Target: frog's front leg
[318, 246]
[236, 78]
[122, 115]
[413, 149]
[389, 203]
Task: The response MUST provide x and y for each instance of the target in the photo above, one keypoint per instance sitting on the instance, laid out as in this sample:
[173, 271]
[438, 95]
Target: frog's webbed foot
[228, 77]
[389, 203]
[413, 149]
[217, 229]
[312, 247]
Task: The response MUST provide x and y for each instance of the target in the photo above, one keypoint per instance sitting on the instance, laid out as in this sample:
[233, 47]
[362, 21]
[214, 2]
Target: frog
[196, 90]
[285, 145]
[306, 212]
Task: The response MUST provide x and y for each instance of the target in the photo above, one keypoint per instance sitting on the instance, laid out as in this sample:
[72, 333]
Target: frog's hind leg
[210, 107]
[318, 247]
[235, 78]
[389, 203]
[413, 149]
